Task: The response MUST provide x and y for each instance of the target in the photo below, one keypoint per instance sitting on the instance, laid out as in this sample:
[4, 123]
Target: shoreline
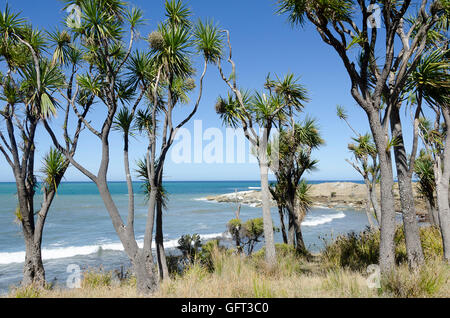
[329, 195]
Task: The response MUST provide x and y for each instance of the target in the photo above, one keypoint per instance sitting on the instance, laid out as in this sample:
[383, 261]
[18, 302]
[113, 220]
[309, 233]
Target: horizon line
[139, 181]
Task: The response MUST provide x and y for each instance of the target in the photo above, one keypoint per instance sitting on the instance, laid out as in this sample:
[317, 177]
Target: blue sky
[262, 42]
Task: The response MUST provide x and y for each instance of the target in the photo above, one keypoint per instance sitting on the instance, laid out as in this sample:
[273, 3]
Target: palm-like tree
[427, 184]
[173, 46]
[366, 164]
[430, 82]
[109, 63]
[295, 146]
[28, 88]
[283, 97]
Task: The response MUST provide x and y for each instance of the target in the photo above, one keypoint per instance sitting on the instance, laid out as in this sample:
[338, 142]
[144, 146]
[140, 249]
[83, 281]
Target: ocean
[79, 231]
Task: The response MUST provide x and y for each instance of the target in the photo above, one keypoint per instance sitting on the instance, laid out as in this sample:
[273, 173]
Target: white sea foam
[322, 219]
[70, 251]
[255, 188]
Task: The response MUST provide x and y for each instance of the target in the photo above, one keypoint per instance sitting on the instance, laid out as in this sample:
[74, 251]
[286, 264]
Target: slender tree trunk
[33, 268]
[159, 240]
[410, 224]
[432, 212]
[295, 231]
[387, 228]
[442, 177]
[300, 244]
[145, 278]
[368, 204]
[283, 227]
[265, 196]
[375, 203]
[292, 222]
[291, 230]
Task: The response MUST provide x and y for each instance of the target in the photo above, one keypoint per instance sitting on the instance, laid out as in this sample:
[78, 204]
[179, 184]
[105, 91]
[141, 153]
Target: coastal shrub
[358, 250]
[234, 227]
[26, 292]
[211, 255]
[174, 264]
[289, 261]
[352, 250]
[97, 278]
[430, 280]
[189, 245]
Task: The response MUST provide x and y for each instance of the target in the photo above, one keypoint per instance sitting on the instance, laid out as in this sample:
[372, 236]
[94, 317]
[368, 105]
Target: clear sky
[262, 42]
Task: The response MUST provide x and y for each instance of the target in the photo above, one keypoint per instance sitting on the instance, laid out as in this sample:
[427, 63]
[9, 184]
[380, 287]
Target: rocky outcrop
[339, 195]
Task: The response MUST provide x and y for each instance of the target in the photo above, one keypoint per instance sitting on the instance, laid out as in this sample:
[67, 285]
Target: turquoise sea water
[79, 231]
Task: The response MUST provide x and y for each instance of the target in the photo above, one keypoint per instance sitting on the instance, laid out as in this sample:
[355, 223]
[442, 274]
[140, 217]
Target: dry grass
[238, 276]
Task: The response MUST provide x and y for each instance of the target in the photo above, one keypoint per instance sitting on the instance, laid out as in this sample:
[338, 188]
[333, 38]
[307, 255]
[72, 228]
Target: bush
[357, 251]
[96, 279]
[353, 251]
[189, 245]
[425, 282]
[26, 292]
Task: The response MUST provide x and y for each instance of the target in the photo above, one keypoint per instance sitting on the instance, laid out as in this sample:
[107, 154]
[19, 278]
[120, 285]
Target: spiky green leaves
[431, 78]
[92, 85]
[54, 165]
[142, 172]
[123, 121]
[230, 110]
[208, 40]
[423, 168]
[40, 97]
[291, 90]
[341, 112]
[10, 23]
[62, 41]
[134, 17]
[175, 51]
[321, 10]
[10, 93]
[143, 121]
[177, 14]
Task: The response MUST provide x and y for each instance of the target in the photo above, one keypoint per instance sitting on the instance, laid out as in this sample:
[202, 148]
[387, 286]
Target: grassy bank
[340, 271]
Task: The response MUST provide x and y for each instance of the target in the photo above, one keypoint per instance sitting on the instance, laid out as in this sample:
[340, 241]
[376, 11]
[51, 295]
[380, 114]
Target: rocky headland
[338, 195]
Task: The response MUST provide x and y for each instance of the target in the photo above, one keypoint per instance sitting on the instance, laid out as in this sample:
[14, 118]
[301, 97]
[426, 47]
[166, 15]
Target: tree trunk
[375, 203]
[432, 212]
[300, 244]
[442, 177]
[291, 230]
[283, 227]
[33, 269]
[410, 226]
[368, 204]
[387, 228]
[265, 196]
[159, 240]
[145, 279]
